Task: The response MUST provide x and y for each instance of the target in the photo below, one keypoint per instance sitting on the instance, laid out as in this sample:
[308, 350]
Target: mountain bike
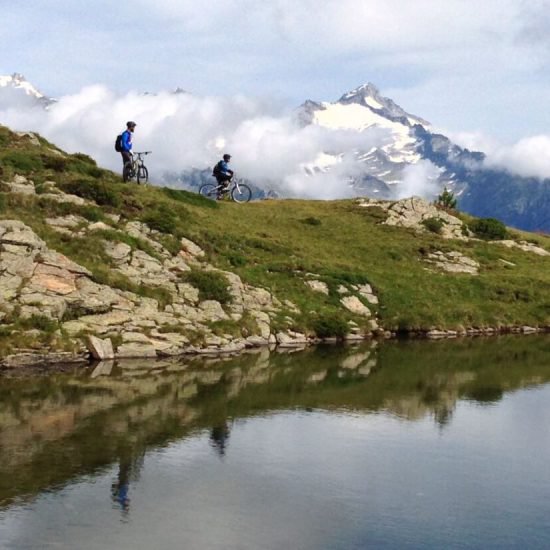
[136, 168]
[235, 188]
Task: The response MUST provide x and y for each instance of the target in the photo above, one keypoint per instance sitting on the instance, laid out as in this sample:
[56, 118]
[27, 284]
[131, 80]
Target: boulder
[353, 304]
[134, 349]
[453, 262]
[100, 348]
[318, 286]
[189, 248]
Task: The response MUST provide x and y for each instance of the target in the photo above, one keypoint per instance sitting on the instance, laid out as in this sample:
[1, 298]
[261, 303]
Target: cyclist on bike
[223, 173]
[126, 142]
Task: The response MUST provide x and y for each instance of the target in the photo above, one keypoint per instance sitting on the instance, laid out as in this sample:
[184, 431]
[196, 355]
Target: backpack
[216, 172]
[118, 143]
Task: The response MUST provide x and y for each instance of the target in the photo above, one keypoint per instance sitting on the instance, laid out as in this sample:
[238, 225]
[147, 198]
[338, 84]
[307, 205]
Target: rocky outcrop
[453, 262]
[40, 284]
[355, 305]
[414, 212]
[525, 246]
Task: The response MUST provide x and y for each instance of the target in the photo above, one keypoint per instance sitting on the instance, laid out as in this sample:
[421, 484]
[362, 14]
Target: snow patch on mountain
[19, 82]
[17, 92]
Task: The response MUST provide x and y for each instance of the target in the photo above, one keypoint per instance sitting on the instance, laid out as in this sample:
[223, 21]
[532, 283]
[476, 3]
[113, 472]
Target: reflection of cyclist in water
[120, 487]
[129, 466]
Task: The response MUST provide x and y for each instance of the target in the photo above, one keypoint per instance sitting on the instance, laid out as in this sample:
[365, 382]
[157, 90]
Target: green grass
[211, 285]
[275, 244]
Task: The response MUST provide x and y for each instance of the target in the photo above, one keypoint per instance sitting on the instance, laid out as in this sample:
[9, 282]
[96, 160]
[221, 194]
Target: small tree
[446, 200]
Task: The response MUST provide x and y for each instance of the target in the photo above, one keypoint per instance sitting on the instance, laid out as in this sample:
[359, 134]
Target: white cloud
[441, 55]
[528, 157]
[419, 180]
[185, 131]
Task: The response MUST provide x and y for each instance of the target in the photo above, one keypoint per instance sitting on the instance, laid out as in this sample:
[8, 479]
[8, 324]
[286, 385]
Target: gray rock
[291, 339]
[453, 262]
[256, 341]
[137, 337]
[318, 286]
[523, 245]
[213, 310]
[100, 348]
[119, 252]
[353, 304]
[67, 222]
[64, 198]
[191, 249]
[133, 349]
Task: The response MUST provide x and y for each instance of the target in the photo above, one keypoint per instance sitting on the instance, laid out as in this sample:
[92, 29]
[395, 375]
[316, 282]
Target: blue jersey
[127, 140]
[224, 168]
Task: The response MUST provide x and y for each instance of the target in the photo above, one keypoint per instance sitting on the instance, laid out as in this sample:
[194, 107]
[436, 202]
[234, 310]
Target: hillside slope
[154, 271]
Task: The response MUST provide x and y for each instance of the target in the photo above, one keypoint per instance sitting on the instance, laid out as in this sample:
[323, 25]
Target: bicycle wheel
[241, 193]
[209, 190]
[142, 174]
[127, 172]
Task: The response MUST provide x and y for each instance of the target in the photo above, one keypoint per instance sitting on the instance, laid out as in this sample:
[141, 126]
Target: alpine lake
[404, 444]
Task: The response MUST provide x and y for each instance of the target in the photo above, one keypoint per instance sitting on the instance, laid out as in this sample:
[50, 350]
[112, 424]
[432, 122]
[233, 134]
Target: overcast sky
[468, 66]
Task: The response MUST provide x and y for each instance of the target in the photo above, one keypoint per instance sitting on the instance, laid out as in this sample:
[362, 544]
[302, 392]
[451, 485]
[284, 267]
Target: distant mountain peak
[361, 92]
[17, 81]
[369, 96]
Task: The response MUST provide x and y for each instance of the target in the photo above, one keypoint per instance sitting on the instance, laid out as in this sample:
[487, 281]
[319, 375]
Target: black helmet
[130, 124]
[226, 157]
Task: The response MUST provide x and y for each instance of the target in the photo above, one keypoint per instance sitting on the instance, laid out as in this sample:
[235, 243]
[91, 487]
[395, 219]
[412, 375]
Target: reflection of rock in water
[219, 436]
[361, 363]
[142, 403]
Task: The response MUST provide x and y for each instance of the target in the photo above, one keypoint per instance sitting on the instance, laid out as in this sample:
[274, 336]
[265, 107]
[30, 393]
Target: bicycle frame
[136, 163]
[136, 167]
[232, 184]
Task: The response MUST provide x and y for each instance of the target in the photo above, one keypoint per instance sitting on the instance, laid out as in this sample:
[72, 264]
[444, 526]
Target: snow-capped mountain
[407, 157]
[383, 167]
[15, 88]
[412, 142]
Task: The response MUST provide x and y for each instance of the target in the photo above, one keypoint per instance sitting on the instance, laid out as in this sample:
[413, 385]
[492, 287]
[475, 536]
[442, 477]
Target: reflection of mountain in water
[53, 428]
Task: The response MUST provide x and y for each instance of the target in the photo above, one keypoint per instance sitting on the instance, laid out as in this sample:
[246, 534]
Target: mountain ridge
[413, 159]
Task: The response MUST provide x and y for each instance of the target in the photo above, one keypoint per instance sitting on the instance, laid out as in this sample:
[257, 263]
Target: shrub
[489, 229]
[162, 220]
[40, 322]
[211, 285]
[84, 158]
[85, 168]
[236, 260]
[311, 221]
[99, 192]
[91, 213]
[446, 200]
[435, 225]
[22, 161]
[329, 325]
[55, 163]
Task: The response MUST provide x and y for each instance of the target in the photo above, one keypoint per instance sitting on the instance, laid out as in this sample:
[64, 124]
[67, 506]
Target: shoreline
[56, 361]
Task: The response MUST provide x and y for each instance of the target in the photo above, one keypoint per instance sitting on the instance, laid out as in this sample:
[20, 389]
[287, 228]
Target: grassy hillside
[277, 244]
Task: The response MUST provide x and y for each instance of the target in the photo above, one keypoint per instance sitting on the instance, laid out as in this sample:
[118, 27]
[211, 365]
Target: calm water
[404, 445]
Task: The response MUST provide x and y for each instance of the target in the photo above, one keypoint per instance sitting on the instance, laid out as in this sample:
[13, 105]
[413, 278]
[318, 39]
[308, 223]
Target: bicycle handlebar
[143, 152]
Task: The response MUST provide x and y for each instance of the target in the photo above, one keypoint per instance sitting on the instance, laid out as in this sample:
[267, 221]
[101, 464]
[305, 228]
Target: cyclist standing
[126, 142]
[222, 172]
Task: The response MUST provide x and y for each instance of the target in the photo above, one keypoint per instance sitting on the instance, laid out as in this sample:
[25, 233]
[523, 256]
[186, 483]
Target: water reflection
[57, 428]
